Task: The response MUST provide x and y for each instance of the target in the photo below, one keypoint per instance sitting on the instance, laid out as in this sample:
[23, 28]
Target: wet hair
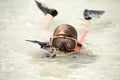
[69, 30]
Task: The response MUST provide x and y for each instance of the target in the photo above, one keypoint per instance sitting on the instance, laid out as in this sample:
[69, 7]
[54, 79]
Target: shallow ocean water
[20, 60]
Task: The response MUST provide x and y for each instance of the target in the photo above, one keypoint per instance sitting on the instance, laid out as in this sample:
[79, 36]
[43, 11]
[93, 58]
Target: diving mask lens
[69, 43]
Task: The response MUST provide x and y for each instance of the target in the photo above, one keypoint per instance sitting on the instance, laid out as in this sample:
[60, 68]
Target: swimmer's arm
[85, 23]
[49, 13]
[47, 21]
[88, 15]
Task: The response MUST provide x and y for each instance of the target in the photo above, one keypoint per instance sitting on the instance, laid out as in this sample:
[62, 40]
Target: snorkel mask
[64, 43]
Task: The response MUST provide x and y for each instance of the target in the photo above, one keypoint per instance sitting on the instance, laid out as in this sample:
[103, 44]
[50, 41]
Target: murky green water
[20, 60]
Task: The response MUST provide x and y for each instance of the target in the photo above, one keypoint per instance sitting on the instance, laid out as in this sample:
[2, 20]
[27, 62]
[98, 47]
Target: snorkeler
[65, 37]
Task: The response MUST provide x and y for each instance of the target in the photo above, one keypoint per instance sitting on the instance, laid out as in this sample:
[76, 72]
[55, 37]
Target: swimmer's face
[68, 31]
[62, 48]
[62, 45]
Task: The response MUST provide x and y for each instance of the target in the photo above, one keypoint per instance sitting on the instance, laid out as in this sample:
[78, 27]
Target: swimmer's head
[66, 29]
[69, 32]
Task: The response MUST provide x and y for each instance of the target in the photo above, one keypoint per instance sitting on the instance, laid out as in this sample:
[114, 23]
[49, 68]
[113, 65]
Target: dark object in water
[53, 55]
[46, 10]
[89, 14]
[42, 44]
[50, 55]
[46, 55]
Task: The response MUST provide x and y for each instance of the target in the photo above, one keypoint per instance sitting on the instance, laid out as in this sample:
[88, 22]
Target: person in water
[65, 37]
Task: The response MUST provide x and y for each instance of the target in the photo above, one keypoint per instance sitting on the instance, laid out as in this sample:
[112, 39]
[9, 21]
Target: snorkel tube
[80, 40]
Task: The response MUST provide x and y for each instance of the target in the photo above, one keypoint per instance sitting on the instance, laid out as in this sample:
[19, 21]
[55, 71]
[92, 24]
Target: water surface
[20, 60]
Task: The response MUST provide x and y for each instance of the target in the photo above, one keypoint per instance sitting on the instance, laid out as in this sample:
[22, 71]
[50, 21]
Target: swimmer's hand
[42, 44]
